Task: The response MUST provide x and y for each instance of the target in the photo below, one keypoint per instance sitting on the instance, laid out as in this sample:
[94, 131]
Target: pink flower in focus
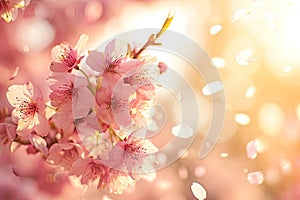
[72, 99]
[9, 9]
[29, 110]
[132, 155]
[64, 154]
[91, 169]
[113, 106]
[65, 57]
[113, 59]
[114, 54]
[7, 134]
[144, 75]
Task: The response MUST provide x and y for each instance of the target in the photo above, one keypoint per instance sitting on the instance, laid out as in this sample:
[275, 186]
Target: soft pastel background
[256, 52]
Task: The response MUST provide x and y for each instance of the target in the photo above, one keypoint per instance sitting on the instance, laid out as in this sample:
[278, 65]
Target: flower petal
[198, 191]
[96, 60]
[41, 125]
[80, 45]
[14, 92]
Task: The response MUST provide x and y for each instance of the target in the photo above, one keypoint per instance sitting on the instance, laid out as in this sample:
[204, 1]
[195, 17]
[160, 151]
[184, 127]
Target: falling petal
[236, 15]
[243, 58]
[215, 29]
[254, 147]
[182, 131]
[218, 62]
[224, 155]
[250, 92]
[15, 73]
[242, 119]
[251, 149]
[198, 191]
[212, 88]
[255, 178]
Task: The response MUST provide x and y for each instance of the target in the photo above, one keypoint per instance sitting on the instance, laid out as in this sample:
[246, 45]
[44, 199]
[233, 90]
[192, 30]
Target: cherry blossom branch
[153, 37]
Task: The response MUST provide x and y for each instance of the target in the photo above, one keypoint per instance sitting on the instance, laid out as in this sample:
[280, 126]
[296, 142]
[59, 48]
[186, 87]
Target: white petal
[242, 119]
[250, 92]
[244, 57]
[218, 62]
[215, 29]
[212, 88]
[83, 39]
[198, 191]
[182, 131]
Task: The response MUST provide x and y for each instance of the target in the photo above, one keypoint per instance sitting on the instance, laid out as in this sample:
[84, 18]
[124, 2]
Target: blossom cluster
[9, 8]
[93, 123]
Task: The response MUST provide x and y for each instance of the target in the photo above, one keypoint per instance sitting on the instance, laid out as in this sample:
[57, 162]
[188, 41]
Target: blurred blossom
[199, 171]
[271, 119]
[285, 166]
[255, 178]
[33, 35]
[254, 147]
[93, 10]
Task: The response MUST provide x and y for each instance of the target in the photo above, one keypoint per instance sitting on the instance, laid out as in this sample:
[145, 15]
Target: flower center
[113, 65]
[25, 108]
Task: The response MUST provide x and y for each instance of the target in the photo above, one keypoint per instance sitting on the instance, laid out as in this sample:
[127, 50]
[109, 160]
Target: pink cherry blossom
[113, 106]
[113, 59]
[7, 134]
[65, 57]
[64, 154]
[90, 169]
[9, 9]
[132, 155]
[72, 99]
[144, 75]
[29, 109]
[114, 54]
